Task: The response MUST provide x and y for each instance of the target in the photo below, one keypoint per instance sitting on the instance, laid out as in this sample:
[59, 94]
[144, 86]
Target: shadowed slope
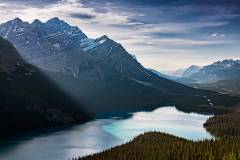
[29, 100]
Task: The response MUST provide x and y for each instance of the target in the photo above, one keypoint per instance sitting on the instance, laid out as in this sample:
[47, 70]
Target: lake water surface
[101, 134]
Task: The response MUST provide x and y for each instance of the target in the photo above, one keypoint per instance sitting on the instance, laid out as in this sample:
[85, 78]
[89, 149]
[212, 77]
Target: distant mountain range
[220, 70]
[101, 74]
[28, 99]
[220, 76]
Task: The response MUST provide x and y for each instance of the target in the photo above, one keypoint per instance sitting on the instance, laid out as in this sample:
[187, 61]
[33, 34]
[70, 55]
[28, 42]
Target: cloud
[217, 35]
[82, 16]
[38, 3]
[161, 43]
[214, 34]
[178, 27]
[191, 42]
[180, 3]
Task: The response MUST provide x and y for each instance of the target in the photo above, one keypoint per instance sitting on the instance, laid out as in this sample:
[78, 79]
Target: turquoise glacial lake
[165, 119]
[101, 134]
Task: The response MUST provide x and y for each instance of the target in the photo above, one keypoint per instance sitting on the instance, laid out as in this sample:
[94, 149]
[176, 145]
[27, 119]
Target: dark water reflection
[62, 145]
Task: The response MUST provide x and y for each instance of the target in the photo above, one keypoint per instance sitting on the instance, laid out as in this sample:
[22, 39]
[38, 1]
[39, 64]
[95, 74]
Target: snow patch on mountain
[57, 45]
[142, 82]
[8, 31]
[88, 44]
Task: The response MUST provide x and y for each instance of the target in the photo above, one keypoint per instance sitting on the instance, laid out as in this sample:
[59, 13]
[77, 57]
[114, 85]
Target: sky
[163, 34]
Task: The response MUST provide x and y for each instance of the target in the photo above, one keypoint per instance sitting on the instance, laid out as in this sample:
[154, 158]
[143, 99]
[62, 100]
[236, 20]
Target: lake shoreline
[94, 137]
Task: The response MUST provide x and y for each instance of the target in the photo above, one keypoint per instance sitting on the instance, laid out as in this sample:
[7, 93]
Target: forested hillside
[160, 146]
[226, 125]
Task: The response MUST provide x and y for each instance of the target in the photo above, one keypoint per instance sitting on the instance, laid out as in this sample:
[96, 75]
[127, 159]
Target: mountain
[221, 76]
[29, 100]
[219, 70]
[190, 71]
[101, 74]
[183, 73]
[37, 39]
[178, 73]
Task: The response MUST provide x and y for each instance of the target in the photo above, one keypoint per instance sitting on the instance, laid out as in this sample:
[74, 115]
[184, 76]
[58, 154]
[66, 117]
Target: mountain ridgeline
[219, 70]
[29, 100]
[221, 76]
[100, 73]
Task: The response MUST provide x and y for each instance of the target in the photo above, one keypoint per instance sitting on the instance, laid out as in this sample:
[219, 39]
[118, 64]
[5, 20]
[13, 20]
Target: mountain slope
[177, 73]
[191, 70]
[230, 86]
[29, 100]
[163, 75]
[186, 72]
[102, 74]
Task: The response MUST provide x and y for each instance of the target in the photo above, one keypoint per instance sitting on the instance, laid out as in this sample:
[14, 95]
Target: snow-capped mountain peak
[226, 63]
[41, 38]
[36, 22]
[103, 39]
[54, 45]
[17, 20]
[54, 20]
